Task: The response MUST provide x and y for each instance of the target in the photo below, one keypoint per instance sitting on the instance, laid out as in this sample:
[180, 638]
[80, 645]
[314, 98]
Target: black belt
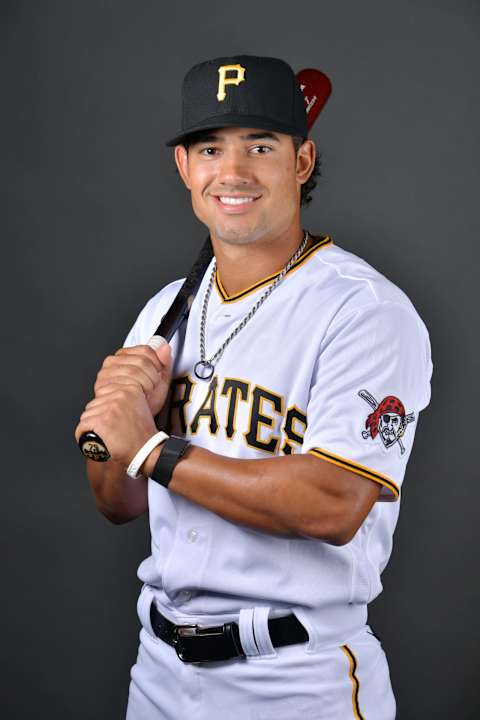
[207, 643]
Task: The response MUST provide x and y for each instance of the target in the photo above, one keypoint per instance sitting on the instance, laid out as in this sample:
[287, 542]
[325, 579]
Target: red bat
[316, 89]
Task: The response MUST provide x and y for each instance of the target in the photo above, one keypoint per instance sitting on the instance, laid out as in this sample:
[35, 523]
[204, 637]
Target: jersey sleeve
[151, 315]
[371, 380]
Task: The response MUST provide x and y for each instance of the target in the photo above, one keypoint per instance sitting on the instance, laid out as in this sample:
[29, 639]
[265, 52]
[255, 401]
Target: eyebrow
[251, 136]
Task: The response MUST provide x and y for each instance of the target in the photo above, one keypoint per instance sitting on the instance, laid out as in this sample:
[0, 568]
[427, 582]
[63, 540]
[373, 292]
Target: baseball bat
[316, 89]
[91, 444]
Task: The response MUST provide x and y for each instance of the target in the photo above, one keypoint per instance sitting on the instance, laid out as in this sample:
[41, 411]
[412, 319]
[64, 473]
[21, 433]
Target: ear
[181, 159]
[305, 162]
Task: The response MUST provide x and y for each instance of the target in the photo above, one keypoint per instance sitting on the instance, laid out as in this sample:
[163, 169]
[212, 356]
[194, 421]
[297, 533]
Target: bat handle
[92, 446]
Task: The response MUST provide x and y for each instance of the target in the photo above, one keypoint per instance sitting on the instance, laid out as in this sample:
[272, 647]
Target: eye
[261, 149]
[208, 151]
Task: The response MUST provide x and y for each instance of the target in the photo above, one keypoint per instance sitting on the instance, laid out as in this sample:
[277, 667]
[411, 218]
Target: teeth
[235, 200]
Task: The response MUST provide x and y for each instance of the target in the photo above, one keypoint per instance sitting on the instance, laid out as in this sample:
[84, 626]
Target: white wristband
[144, 452]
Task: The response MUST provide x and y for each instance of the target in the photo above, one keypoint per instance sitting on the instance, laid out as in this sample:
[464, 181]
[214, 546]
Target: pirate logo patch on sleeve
[388, 420]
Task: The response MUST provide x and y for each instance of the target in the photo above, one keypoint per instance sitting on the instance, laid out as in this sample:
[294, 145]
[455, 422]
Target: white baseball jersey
[335, 363]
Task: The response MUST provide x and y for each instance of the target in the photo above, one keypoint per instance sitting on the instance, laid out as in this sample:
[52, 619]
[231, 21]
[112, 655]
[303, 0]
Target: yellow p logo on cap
[223, 80]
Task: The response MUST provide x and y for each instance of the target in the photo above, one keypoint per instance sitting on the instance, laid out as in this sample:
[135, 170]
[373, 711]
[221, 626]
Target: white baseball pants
[286, 683]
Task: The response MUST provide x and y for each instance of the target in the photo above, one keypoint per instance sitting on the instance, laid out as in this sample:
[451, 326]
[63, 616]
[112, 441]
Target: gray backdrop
[98, 222]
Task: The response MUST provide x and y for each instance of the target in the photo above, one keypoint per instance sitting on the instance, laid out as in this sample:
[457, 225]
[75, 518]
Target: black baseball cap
[242, 91]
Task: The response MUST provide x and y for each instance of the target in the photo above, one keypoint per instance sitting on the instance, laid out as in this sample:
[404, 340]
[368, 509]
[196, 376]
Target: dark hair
[307, 187]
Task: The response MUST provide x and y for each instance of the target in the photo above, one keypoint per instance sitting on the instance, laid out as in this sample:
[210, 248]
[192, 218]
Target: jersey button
[192, 535]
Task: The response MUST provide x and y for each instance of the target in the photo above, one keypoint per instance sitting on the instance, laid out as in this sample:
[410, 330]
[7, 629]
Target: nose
[234, 169]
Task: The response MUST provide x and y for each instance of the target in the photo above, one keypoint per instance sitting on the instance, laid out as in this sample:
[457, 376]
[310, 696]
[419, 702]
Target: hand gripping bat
[316, 89]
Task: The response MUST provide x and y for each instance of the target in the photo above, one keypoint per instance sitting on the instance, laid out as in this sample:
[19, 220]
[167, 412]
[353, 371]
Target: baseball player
[287, 410]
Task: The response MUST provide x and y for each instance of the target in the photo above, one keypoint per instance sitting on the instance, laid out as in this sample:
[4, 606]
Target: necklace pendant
[204, 370]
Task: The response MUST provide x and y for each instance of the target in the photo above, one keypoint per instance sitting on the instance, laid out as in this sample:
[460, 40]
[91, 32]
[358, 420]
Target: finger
[126, 375]
[161, 347]
[161, 351]
[98, 402]
[87, 424]
[164, 354]
[150, 365]
[109, 394]
[125, 390]
[129, 364]
[88, 417]
[97, 417]
[142, 351]
[116, 394]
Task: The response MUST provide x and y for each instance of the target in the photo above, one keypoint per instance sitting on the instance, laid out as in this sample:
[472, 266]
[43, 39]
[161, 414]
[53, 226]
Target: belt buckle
[193, 643]
[185, 631]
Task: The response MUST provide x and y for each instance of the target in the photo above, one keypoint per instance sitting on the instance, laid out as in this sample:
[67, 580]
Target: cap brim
[252, 121]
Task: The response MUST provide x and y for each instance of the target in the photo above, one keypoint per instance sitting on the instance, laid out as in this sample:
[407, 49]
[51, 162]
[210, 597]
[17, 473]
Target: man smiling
[272, 508]
[245, 186]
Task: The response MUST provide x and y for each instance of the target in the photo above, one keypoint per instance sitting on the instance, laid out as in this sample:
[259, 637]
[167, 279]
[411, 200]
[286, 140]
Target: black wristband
[172, 451]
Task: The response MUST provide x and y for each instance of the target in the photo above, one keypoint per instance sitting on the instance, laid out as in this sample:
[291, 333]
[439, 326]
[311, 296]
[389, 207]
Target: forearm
[295, 495]
[119, 497]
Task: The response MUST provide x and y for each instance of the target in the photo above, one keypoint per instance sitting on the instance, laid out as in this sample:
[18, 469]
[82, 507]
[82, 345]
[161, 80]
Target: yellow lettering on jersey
[235, 390]
[223, 80]
[294, 434]
[179, 400]
[257, 419]
[207, 409]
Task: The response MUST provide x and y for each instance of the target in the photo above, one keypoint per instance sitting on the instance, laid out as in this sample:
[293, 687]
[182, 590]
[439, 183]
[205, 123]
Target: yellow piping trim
[357, 468]
[355, 682]
[324, 242]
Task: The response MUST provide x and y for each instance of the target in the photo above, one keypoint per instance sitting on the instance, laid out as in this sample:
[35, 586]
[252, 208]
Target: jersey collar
[320, 242]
